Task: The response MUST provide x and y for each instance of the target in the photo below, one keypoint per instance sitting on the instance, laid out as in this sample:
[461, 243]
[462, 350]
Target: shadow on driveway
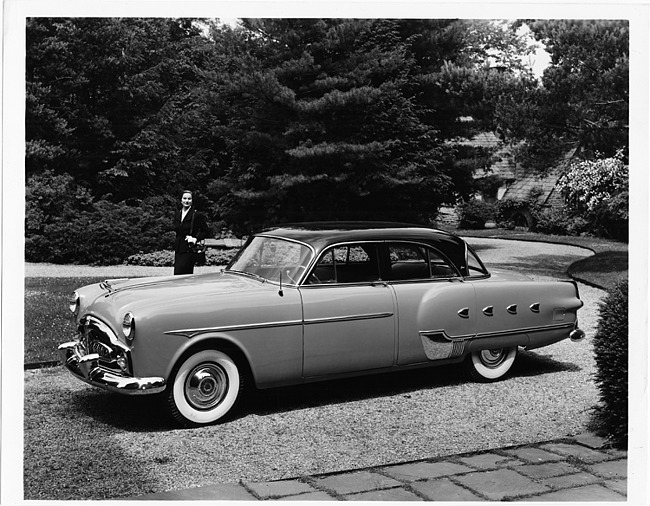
[146, 414]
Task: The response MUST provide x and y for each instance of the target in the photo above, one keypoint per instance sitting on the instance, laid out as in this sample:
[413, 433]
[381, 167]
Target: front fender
[272, 353]
[213, 341]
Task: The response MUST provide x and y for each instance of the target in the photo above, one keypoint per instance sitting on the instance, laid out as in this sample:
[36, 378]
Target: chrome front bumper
[87, 368]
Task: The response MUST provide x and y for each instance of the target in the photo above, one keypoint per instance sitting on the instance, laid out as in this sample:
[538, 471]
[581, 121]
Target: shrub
[64, 224]
[611, 352]
[474, 213]
[106, 234]
[558, 221]
[510, 213]
[552, 221]
[220, 256]
[154, 259]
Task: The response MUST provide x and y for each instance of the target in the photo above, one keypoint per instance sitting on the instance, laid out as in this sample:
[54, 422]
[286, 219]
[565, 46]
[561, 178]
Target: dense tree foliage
[279, 120]
[583, 98]
[94, 86]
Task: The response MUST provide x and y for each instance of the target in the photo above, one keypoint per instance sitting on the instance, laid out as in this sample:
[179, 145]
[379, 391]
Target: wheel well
[219, 345]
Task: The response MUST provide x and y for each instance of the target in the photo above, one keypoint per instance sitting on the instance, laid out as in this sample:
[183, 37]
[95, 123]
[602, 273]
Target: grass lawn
[48, 322]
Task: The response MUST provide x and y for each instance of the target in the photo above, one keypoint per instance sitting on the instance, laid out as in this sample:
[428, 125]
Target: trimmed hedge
[611, 351]
[165, 258]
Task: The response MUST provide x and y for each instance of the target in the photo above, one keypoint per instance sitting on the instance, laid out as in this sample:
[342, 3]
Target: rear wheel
[490, 365]
[204, 389]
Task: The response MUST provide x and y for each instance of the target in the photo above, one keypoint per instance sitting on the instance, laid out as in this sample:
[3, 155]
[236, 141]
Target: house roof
[502, 166]
[526, 183]
[545, 183]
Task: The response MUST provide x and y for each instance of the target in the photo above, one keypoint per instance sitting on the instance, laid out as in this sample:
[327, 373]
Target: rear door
[435, 306]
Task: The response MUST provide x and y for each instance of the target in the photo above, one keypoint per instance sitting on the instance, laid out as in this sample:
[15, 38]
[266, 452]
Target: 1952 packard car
[311, 302]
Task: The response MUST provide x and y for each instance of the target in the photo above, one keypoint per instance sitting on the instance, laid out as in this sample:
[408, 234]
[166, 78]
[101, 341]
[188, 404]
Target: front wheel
[490, 365]
[204, 389]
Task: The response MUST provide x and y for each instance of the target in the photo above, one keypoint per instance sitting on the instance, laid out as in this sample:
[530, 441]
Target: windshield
[273, 259]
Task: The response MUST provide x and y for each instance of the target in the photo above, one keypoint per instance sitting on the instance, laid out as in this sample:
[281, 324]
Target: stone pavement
[579, 468]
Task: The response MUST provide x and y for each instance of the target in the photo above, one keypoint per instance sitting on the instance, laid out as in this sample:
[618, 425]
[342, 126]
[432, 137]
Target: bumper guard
[87, 368]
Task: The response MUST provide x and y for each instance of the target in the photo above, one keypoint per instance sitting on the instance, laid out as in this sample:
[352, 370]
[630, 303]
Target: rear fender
[496, 342]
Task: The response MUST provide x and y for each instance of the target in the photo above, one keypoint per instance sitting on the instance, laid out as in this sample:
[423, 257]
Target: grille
[98, 338]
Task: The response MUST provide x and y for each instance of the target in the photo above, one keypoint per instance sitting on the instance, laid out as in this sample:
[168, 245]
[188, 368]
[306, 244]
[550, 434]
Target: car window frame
[427, 247]
[384, 242]
[485, 274]
[281, 282]
[329, 248]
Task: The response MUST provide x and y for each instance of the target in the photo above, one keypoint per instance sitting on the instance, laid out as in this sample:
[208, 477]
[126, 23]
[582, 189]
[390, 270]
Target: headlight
[74, 302]
[128, 326]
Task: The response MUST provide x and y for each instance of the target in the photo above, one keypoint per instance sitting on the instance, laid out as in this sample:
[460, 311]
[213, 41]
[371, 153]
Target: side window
[408, 261]
[346, 264]
[412, 261]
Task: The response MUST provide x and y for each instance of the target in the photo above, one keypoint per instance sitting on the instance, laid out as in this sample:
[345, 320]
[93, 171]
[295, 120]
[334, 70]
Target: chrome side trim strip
[524, 330]
[189, 333]
[440, 332]
[369, 316]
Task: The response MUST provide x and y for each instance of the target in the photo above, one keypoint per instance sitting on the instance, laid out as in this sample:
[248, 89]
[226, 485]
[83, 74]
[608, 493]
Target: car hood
[170, 294]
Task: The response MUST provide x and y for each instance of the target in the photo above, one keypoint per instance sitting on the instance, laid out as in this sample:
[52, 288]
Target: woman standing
[190, 227]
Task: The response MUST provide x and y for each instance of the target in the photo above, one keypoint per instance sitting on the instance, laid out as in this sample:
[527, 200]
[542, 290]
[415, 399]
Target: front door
[348, 314]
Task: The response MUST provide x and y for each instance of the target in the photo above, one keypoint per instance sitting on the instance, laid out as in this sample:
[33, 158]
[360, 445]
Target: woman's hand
[190, 239]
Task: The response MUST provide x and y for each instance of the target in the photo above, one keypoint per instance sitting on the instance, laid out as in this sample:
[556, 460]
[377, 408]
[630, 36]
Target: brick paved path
[572, 469]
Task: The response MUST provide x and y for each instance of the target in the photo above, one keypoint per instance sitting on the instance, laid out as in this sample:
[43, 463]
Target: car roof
[320, 235]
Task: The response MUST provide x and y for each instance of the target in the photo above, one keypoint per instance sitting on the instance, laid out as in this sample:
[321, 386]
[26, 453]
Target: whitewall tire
[490, 365]
[204, 389]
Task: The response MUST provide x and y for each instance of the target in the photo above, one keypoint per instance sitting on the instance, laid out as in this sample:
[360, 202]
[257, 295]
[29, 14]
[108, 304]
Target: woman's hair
[187, 191]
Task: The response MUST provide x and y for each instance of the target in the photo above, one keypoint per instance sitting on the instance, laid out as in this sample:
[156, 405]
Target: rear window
[413, 261]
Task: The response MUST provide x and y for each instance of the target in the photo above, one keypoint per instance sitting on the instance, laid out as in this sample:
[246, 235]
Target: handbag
[198, 248]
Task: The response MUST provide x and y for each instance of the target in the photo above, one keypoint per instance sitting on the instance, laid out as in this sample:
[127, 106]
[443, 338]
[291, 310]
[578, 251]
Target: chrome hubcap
[206, 386]
[493, 358]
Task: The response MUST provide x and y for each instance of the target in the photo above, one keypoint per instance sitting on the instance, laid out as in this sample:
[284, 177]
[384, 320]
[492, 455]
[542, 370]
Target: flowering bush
[597, 190]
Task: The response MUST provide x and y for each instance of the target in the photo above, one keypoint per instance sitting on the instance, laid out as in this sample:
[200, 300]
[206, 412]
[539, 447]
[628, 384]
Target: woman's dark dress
[183, 256]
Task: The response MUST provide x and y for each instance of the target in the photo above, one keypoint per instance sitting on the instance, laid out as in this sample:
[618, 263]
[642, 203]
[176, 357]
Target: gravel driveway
[316, 428]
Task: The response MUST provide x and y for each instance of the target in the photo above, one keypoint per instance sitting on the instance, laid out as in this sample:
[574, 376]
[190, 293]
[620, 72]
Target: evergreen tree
[328, 126]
